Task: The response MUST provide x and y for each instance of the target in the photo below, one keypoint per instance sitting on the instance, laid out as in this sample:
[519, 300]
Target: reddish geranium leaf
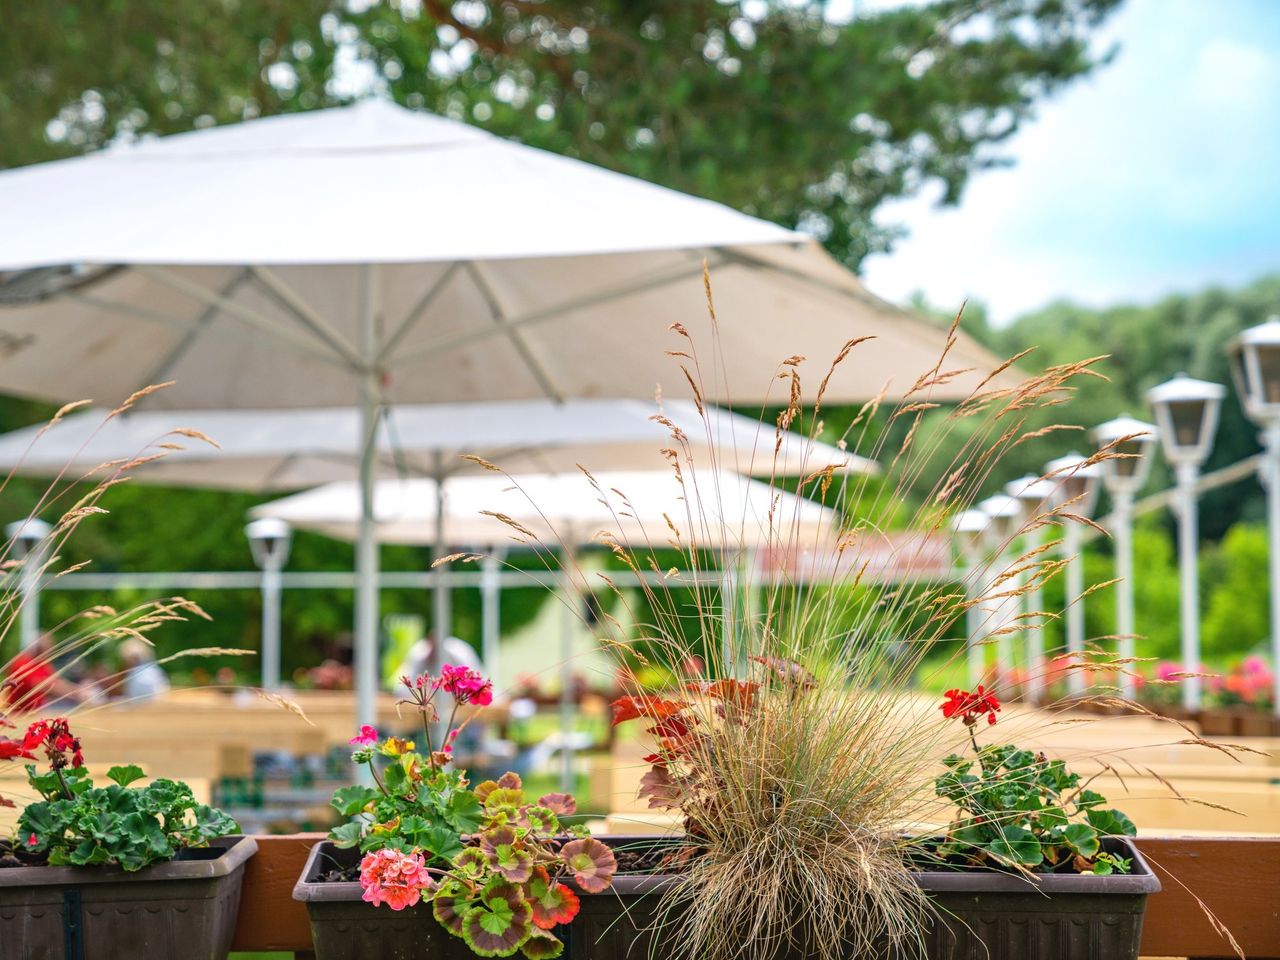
[553, 903]
[561, 804]
[738, 692]
[542, 945]
[592, 863]
[448, 906]
[484, 788]
[510, 781]
[645, 705]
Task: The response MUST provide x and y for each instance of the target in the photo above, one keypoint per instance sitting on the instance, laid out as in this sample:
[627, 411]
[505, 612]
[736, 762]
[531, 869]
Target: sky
[1158, 174]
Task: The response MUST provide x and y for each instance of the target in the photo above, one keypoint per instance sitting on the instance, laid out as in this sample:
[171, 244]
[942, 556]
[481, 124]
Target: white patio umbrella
[269, 450]
[376, 254]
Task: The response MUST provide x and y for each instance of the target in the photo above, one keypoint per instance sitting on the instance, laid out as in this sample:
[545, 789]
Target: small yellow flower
[395, 747]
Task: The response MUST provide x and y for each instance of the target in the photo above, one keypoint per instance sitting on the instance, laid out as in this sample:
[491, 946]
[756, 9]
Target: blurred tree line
[1146, 345]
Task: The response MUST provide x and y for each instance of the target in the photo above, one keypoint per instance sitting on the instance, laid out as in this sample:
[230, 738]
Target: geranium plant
[1018, 808]
[81, 824]
[492, 863]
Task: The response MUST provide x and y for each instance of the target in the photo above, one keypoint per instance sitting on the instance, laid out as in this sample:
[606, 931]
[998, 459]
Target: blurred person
[34, 683]
[456, 651]
[143, 677]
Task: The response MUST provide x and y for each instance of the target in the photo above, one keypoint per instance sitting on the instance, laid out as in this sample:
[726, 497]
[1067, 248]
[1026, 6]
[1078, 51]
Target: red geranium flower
[968, 707]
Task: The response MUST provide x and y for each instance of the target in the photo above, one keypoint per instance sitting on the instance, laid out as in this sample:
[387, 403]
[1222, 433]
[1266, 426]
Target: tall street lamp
[1187, 414]
[1077, 483]
[269, 540]
[1124, 475]
[969, 529]
[1004, 514]
[1035, 494]
[1255, 366]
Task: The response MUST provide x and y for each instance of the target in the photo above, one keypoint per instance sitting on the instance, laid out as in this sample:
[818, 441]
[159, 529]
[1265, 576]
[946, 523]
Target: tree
[767, 105]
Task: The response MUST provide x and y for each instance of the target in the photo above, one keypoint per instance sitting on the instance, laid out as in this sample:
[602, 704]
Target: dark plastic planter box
[182, 910]
[982, 914]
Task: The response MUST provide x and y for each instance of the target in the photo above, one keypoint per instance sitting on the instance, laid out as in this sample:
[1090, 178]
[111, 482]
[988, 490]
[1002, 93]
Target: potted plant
[1033, 864]
[430, 866]
[115, 871]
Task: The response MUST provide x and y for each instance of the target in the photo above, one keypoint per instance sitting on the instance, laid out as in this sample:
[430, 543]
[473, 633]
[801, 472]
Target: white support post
[1074, 607]
[367, 560]
[491, 614]
[1188, 532]
[1033, 626]
[1123, 534]
[1271, 441]
[272, 587]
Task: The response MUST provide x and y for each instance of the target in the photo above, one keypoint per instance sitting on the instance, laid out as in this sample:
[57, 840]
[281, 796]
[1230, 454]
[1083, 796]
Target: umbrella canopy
[270, 263]
[374, 253]
[269, 450]
[722, 509]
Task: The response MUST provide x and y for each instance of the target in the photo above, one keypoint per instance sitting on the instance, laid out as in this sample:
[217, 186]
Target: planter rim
[1141, 881]
[236, 850]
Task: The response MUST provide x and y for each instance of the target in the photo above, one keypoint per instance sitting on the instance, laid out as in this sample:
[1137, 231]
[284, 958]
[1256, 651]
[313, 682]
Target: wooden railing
[1238, 878]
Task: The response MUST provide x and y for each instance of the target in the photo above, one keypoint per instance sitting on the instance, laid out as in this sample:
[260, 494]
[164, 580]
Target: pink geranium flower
[367, 737]
[465, 685]
[394, 878]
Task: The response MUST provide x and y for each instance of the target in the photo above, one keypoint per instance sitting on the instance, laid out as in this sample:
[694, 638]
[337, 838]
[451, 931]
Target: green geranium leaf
[1016, 845]
[348, 834]
[349, 801]
[440, 841]
[1082, 839]
[1111, 823]
[463, 812]
[125, 775]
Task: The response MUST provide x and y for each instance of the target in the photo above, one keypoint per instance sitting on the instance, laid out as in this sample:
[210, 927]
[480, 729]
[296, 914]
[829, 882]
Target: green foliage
[770, 107]
[82, 824]
[1020, 809]
[1237, 609]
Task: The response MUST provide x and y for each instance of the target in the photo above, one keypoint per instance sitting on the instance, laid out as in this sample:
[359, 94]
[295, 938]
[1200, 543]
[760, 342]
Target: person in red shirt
[33, 683]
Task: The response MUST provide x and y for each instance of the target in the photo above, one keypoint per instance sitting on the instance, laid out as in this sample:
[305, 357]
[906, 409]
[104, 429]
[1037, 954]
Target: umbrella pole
[366, 645]
[491, 613]
[567, 613]
[440, 626]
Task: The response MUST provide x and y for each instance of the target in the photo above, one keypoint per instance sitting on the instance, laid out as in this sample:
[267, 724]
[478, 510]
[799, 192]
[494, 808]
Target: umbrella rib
[555, 310]
[521, 345]
[183, 345]
[420, 308]
[253, 318]
[303, 312]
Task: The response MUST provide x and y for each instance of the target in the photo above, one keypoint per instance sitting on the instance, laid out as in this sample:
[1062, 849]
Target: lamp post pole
[269, 541]
[1076, 480]
[1189, 607]
[1187, 413]
[28, 539]
[1255, 367]
[1271, 441]
[1034, 493]
[969, 529]
[1124, 473]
